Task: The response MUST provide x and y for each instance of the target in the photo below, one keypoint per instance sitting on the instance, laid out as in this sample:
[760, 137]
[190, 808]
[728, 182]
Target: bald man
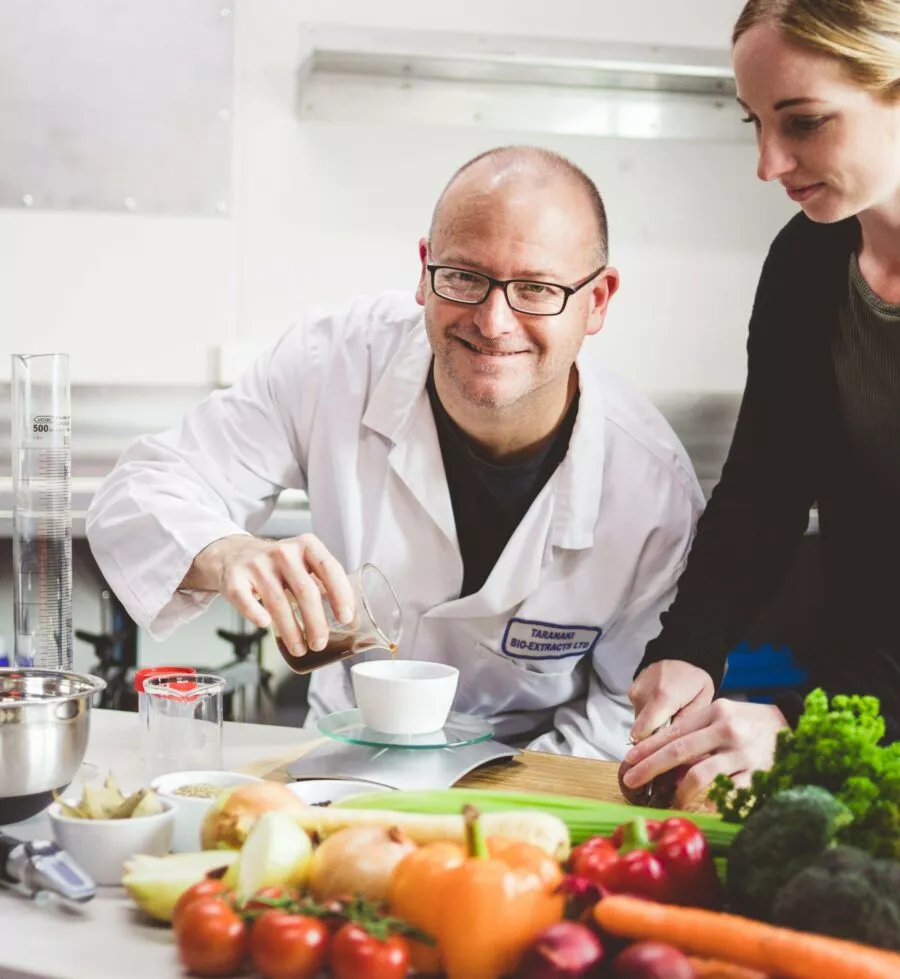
[531, 513]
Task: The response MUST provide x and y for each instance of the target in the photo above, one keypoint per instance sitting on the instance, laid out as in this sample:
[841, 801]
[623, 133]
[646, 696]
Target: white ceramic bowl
[318, 791]
[101, 846]
[402, 696]
[189, 810]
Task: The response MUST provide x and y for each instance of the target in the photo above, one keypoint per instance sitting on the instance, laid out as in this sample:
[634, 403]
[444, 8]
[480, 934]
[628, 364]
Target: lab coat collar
[401, 389]
[399, 410]
[579, 478]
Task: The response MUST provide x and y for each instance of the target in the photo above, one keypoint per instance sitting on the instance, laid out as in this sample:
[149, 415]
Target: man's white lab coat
[338, 407]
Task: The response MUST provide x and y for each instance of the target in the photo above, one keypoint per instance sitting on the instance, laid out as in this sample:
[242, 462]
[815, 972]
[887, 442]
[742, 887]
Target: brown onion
[358, 860]
[236, 810]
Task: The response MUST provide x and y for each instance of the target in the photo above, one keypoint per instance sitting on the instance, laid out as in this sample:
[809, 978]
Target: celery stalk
[584, 817]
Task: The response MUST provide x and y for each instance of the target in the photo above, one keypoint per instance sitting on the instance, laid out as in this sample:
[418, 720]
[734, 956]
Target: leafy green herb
[837, 747]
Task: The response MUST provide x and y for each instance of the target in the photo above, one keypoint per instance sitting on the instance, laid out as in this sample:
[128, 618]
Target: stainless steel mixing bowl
[44, 724]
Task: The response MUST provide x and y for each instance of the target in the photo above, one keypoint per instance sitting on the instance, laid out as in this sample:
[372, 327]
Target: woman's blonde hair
[863, 35]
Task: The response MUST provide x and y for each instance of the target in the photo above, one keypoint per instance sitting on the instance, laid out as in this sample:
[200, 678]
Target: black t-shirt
[865, 350]
[866, 353]
[489, 500]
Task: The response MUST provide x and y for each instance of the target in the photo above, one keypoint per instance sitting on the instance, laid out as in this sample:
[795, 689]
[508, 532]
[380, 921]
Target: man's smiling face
[510, 225]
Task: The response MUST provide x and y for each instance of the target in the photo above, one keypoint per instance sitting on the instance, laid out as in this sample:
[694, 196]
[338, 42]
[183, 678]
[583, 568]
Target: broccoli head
[845, 893]
[778, 841]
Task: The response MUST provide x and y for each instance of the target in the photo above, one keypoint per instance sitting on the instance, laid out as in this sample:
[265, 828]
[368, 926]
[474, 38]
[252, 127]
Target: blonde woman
[819, 80]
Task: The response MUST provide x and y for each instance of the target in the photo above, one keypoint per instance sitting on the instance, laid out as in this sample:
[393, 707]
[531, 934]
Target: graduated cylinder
[42, 513]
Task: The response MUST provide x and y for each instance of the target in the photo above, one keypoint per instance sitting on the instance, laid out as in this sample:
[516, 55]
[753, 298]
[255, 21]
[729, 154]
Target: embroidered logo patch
[526, 639]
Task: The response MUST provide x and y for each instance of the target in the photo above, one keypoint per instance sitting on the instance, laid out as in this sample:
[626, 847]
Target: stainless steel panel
[705, 424]
[116, 106]
[105, 420]
[467, 56]
[525, 84]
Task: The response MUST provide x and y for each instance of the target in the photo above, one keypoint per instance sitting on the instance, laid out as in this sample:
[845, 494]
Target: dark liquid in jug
[338, 647]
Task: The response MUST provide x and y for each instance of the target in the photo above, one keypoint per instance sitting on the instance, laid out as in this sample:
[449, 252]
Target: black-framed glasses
[523, 295]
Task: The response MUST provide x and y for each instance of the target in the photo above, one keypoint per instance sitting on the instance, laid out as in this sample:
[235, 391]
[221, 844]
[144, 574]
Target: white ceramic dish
[101, 846]
[402, 696]
[318, 791]
[190, 811]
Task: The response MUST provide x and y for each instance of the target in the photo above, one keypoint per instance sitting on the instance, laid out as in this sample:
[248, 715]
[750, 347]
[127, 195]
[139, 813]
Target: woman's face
[834, 145]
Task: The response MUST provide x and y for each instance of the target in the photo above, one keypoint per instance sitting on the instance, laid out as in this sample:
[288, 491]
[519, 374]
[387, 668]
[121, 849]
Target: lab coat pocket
[504, 684]
[530, 666]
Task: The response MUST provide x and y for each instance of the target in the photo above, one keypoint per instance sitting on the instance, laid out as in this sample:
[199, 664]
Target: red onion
[566, 950]
[658, 792]
[652, 960]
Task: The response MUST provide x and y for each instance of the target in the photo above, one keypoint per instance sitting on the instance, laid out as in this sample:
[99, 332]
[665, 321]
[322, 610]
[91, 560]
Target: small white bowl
[101, 846]
[403, 696]
[189, 810]
[319, 791]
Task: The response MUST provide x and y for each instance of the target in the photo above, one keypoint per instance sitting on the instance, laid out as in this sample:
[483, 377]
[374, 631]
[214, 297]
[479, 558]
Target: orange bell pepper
[414, 883]
[485, 906]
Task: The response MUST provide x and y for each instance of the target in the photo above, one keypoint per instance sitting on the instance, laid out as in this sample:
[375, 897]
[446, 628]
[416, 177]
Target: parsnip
[531, 826]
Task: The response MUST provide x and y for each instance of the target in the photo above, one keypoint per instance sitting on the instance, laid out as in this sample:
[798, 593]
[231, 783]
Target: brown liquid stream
[339, 646]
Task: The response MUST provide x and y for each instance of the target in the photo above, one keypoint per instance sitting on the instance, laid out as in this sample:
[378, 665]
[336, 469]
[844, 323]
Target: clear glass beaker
[184, 722]
[140, 678]
[42, 514]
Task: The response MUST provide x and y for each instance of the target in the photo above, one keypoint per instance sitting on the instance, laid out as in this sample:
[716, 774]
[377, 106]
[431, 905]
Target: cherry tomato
[355, 954]
[288, 946]
[208, 887]
[212, 937]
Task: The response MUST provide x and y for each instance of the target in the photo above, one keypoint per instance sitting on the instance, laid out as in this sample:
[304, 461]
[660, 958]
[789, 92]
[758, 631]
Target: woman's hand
[663, 691]
[263, 578]
[727, 737]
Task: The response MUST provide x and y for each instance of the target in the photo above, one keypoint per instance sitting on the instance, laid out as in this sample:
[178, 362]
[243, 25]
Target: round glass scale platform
[350, 750]
[459, 730]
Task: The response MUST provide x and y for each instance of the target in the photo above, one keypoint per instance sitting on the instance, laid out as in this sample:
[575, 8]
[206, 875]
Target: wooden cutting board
[532, 771]
[537, 771]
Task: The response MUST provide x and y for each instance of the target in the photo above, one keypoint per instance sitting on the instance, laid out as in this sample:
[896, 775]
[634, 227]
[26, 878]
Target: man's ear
[423, 275]
[604, 288]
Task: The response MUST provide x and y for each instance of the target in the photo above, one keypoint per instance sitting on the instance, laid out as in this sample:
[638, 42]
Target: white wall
[693, 23]
[324, 210]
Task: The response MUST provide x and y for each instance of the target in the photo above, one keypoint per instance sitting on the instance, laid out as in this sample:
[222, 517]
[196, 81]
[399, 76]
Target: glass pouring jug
[377, 624]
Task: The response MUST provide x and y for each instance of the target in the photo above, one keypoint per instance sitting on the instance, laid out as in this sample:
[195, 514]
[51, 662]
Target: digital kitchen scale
[434, 761]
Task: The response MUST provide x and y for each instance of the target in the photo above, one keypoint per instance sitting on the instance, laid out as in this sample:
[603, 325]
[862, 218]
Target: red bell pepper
[667, 861]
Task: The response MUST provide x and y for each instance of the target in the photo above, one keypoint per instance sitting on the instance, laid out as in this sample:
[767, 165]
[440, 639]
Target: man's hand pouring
[282, 583]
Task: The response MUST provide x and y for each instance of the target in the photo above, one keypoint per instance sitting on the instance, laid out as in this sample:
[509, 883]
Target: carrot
[717, 969]
[789, 954]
